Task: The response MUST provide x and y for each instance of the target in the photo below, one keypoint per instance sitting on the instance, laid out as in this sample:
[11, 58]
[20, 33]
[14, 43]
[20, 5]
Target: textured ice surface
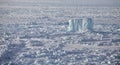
[80, 25]
[32, 33]
[34, 44]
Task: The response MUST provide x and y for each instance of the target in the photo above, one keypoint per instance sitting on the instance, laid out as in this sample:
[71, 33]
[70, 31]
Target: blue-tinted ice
[80, 25]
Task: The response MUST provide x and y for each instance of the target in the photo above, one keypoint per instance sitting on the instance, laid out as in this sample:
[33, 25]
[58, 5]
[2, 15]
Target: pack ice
[80, 25]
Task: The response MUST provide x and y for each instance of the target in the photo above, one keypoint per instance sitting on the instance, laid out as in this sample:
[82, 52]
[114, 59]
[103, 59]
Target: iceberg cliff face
[80, 25]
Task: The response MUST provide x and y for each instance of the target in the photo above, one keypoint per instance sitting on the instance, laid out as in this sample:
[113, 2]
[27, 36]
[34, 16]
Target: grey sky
[94, 2]
[70, 2]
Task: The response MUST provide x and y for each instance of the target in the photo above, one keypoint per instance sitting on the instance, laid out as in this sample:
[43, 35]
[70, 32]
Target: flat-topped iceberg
[80, 25]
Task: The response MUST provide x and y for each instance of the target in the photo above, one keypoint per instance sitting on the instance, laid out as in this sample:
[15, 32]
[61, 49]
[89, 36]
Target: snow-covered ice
[33, 32]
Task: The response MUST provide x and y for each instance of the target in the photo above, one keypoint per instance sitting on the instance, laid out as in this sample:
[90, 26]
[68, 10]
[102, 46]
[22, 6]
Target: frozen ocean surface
[34, 32]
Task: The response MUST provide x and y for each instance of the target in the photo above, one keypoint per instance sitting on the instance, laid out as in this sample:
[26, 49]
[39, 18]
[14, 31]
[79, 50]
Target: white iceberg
[80, 25]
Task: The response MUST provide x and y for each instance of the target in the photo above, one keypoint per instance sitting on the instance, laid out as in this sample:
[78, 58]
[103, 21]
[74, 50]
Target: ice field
[34, 32]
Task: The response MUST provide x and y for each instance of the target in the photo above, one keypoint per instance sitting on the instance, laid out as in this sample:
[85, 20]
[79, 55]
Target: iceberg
[80, 25]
